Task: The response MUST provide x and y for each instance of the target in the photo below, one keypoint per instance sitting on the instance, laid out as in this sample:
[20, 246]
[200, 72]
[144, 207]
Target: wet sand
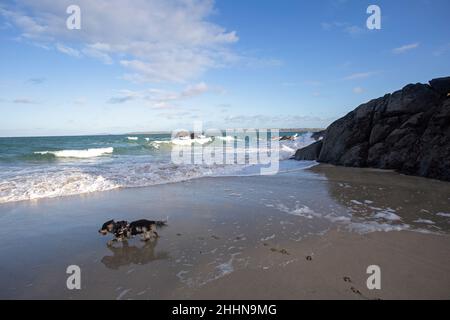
[301, 235]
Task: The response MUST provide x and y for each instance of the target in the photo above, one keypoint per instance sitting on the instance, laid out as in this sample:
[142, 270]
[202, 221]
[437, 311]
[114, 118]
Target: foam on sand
[426, 221]
[443, 214]
[387, 215]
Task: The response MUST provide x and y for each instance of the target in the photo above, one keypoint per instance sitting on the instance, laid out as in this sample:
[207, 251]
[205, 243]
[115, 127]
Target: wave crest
[87, 153]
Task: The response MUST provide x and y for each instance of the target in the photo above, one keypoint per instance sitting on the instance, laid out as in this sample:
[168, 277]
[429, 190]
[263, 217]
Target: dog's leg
[148, 235]
[110, 242]
[153, 229]
[145, 235]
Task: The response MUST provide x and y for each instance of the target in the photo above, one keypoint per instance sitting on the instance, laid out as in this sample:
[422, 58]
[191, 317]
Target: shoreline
[238, 238]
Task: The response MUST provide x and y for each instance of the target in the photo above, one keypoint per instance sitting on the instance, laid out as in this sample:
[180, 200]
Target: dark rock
[352, 130]
[285, 138]
[379, 132]
[318, 135]
[411, 99]
[408, 130]
[356, 156]
[310, 152]
[441, 85]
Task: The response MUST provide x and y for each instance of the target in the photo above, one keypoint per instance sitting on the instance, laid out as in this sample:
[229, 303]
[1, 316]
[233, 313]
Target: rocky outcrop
[408, 130]
[310, 152]
[318, 135]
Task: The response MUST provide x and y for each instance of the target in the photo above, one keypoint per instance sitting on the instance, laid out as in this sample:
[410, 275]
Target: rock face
[310, 152]
[408, 130]
[318, 135]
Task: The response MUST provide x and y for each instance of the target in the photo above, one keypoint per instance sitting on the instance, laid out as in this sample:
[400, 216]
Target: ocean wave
[51, 184]
[183, 142]
[137, 166]
[38, 183]
[287, 148]
[87, 153]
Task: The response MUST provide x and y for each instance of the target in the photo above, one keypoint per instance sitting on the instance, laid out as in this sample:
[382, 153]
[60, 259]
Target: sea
[46, 167]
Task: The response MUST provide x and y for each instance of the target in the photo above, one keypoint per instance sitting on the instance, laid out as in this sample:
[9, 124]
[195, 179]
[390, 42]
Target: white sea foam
[443, 214]
[426, 221]
[299, 210]
[133, 138]
[188, 141]
[227, 138]
[384, 221]
[387, 215]
[87, 153]
[287, 148]
[373, 226]
[49, 182]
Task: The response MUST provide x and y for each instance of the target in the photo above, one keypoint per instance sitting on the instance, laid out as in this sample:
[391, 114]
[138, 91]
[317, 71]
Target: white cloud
[405, 48]
[95, 51]
[161, 99]
[354, 30]
[24, 101]
[158, 40]
[68, 50]
[358, 90]
[360, 75]
[345, 27]
[36, 81]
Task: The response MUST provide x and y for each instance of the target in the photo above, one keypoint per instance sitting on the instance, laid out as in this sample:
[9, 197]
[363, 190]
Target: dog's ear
[110, 225]
[107, 224]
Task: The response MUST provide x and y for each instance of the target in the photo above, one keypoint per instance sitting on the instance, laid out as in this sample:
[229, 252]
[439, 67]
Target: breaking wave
[120, 165]
[88, 153]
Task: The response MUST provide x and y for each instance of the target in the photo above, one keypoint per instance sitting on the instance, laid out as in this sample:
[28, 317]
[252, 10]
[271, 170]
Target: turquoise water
[26, 150]
[41, 167]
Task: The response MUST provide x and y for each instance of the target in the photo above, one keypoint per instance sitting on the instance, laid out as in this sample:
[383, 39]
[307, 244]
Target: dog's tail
[162, 223]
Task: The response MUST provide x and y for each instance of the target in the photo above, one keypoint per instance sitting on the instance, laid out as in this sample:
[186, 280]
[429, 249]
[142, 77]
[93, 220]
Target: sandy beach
[307, 234]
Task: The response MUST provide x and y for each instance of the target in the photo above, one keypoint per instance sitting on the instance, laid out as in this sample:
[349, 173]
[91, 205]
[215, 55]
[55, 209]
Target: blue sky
[164, 64]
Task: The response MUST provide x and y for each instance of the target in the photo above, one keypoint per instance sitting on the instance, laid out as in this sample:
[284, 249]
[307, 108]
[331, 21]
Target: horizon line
[155, 132]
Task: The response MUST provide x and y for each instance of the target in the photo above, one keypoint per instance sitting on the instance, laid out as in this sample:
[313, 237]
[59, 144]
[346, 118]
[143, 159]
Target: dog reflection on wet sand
[126, 255]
